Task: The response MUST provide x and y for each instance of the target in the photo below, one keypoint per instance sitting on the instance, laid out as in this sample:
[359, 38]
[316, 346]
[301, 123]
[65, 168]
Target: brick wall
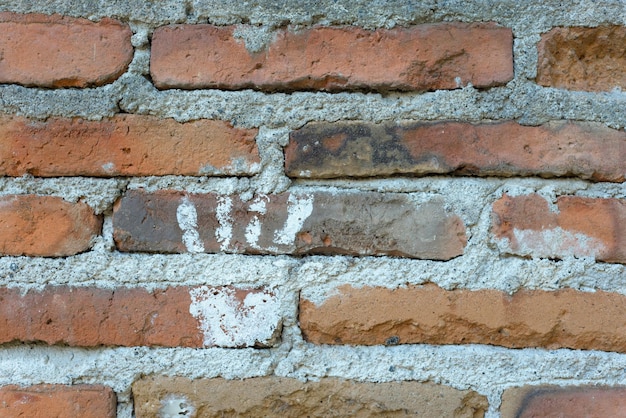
[312, 208]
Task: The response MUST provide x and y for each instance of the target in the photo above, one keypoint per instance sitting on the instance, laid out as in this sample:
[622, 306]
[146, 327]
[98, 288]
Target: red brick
[590, 59]
[574, 226]
[45, 226]
[431, 315]
[58, 401]
[174, 317]
[362, 149]
[57, 51]
[125, 145]
[571, 402]
[426, 57]
[355, 223]
[284, 397]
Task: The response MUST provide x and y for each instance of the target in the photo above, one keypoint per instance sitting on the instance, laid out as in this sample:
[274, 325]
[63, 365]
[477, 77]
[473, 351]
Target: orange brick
[174, 317]
[431, 315]
[426, 57]
[57, 51]
[125, 145]
[45, 226]
[58, 401]
[590, 59]
[275, 396]
[577, 226]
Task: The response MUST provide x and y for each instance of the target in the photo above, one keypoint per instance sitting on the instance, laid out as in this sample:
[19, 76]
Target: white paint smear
[224, 232]
[228, 322]
[258, 204]
[253, 233]
[187, 218]
[176, 406]
[108, 167]
[298, 210]
[253, 230]
[555, 242]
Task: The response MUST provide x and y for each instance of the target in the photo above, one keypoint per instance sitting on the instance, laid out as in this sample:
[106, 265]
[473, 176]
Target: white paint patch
[253, 233]
[176, 406]
[555, 242]
[187, 218]
[224, 232]
[298, 210]
[226, 321]
[253, 230]
[258, 204]
[108, 167]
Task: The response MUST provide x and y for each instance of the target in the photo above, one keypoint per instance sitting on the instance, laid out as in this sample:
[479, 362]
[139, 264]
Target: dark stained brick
[355, 223]
[362, 149]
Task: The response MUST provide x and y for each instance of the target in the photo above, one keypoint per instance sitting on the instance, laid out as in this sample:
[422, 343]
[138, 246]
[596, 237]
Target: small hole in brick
[394, 340]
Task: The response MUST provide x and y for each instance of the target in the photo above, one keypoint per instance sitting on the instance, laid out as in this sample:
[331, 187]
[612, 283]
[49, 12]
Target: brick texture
[273, 396]
[288, 223]
[174, 317]
[574, 226]
[590, 59]
[429, 314]
[45, 226]
[362, 149]
[427, 57]
[125, 145]
[58, 51]
[554, 401]
[58, 401]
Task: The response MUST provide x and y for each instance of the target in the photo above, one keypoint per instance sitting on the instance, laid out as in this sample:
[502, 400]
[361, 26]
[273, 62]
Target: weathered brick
[58, 51]
[426, 57]
[363, 149]
[590, 59]
[58, 401]
[356, 223]
[173, 317]
[428, 314]
[274, 396]
[125, 145]
[575, 226]
[555, 401]
[45, 226]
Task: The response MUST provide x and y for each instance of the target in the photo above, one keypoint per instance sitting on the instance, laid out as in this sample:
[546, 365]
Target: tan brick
[363, 149]
[174, 317]
[555, 401]
[356, 223]
[57, 51]
[125, 145]
[590, 59]
[275, 396]
[575, 226]
[45, 226]
[426, 57]
[58, 401]
[431, 315]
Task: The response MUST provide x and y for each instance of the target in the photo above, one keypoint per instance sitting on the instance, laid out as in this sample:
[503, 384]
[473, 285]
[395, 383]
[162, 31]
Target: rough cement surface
[487, 370]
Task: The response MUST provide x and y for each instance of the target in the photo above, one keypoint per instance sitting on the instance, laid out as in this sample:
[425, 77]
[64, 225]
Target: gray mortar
[488, 370]
[156, 12]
